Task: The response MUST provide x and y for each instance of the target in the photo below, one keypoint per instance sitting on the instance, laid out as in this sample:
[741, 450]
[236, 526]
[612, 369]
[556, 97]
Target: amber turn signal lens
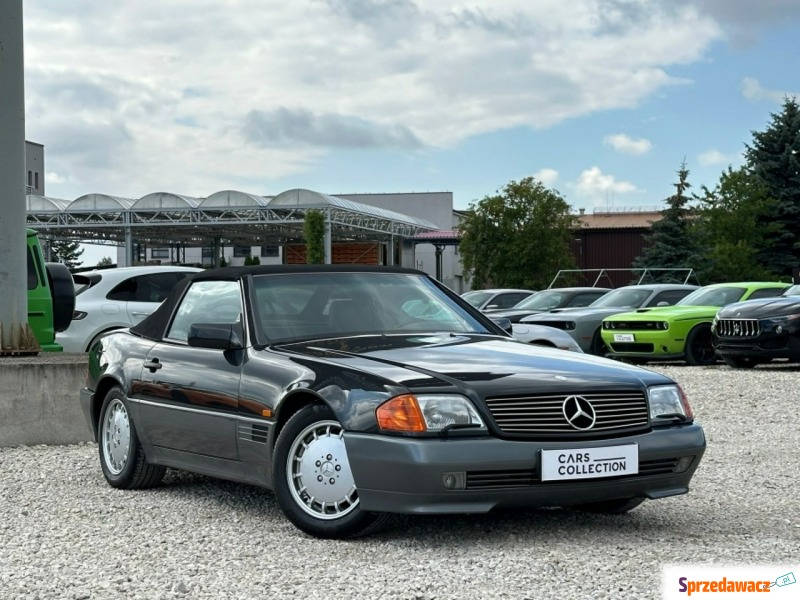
[401, 413]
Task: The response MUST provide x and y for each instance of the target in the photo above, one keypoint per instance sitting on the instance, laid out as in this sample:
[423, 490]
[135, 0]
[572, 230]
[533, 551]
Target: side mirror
[490, 307]
[503, 323]
[663, 303]
[216, 336]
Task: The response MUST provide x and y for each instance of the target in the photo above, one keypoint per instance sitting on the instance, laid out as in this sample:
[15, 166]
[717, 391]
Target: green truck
[51, 295]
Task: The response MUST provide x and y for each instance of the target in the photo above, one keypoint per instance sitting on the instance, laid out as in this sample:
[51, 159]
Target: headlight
[668, 401]
[427, 412]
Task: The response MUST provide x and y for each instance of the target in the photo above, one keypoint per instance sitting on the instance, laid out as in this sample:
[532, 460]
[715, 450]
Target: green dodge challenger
[682, 331]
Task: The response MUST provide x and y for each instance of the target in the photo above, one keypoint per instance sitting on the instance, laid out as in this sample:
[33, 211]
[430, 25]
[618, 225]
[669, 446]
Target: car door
[189, 396]
[148, 291]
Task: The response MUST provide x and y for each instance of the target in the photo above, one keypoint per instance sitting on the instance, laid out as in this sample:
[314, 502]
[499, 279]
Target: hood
[492, 366]
[761, 308]
[508, 313]
[669, 313]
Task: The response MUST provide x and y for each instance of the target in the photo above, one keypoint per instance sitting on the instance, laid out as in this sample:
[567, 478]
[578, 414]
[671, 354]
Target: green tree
[105, 262]
[517, 238]
[774, 158]
[314, 231]
[67, 252]
[731, 228]
[671, 242]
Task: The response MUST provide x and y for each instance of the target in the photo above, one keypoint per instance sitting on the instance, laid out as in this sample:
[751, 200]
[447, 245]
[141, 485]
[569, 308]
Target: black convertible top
[154, 326]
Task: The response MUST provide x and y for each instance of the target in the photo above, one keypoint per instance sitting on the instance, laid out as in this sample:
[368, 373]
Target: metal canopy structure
[227, 217]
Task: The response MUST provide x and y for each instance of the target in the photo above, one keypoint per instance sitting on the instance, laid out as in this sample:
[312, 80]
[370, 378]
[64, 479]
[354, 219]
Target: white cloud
[628, 145]
[548, 177]
[715, 158]
[129, 99]
[753, 90]
[599, 188]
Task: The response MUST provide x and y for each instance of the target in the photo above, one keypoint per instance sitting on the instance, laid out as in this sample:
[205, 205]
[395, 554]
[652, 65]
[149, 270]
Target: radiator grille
[738, 328]
[543, 414]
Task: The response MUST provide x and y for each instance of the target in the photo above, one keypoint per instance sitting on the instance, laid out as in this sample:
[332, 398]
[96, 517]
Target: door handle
[140, 314]
[153, 365]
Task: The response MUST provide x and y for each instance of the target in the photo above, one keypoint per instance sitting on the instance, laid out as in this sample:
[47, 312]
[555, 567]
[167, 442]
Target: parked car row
[743, 324]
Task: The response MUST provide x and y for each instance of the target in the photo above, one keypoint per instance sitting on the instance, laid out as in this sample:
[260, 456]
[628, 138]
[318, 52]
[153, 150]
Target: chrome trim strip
[200, 411]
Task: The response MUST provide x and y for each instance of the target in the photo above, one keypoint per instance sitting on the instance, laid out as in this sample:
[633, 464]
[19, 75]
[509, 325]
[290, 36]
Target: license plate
[623, 337]
[589, 463]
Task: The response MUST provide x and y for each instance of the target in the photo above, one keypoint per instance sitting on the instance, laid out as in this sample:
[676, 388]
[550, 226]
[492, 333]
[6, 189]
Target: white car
[542, 335]
[108, 299]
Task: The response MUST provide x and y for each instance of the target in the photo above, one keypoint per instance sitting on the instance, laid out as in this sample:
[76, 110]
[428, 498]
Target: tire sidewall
[699, 330]
[125, 476]
[346, 526]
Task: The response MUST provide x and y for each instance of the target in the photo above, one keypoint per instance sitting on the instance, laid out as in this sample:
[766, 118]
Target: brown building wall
[608, 249]
[347, 253]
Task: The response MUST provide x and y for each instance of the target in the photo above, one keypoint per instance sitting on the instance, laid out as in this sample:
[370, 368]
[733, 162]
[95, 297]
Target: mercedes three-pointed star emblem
[579, 412]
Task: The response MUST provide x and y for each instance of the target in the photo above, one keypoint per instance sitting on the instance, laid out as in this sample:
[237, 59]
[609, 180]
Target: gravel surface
[64, 533]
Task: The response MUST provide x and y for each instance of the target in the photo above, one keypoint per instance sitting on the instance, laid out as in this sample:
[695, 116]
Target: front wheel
[313, 482]
[598, 347]
[700, 346]
[121, 455]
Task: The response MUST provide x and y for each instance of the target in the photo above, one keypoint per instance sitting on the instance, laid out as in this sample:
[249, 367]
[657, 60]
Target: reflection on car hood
[510, 312]
[492, 365]
[759, 309]
[670, 313]
[574, 314]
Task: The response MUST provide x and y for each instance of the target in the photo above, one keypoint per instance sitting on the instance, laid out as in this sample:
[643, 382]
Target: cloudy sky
[600, 99]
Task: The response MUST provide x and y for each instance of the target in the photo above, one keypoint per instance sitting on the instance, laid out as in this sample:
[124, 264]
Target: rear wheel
[700, 346]
[740, 362]
[612, 507]
[313, 482]
[121, 456]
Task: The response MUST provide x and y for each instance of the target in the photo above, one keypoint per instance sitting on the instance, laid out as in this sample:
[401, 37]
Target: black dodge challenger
[356, 392]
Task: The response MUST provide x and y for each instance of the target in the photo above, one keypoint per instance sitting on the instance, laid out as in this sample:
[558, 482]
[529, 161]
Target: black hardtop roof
[239, 272]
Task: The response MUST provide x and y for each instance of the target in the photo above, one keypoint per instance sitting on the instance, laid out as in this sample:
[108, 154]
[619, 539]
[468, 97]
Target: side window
[670, 297]
[154, 287]
[123, 291]
[584, 299]
[766, 293]
[206, 302]
[33, 280]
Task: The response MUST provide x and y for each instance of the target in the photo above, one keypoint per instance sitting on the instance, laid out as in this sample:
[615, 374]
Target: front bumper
[649, 344]
[406, 475]
[764, 347]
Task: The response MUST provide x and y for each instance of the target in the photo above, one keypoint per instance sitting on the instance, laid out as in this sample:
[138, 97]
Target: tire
[598, 346]
[740, 362]
[62, 291]
[121, 455]
[313, 482]
[611, 507]
[700, 346]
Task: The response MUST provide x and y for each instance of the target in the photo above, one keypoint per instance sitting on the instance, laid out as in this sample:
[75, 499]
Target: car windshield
[304, 306]
[622, 298]
[712, 296]
[477, 298]
[541, 301]
[792, 291]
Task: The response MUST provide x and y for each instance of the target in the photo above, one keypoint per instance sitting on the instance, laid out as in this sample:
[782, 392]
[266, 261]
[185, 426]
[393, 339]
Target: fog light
[779, 329]
[455, 481]
[684, 464]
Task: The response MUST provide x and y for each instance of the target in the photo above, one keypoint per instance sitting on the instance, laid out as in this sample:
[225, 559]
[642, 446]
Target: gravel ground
[64, 533]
